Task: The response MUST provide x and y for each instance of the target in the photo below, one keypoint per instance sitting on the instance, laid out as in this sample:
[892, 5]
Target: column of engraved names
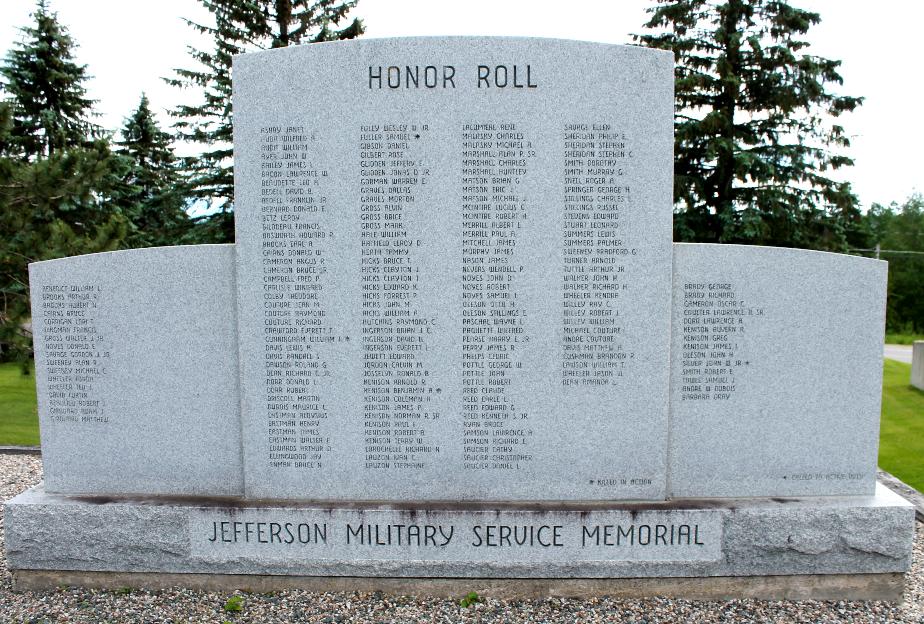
[76, 353]
[714, 328]
[596, 246]
[399, 392]
[294, 245]
[495, 163]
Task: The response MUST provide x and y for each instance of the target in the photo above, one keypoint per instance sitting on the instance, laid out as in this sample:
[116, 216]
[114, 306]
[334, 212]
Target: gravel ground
[17, 472]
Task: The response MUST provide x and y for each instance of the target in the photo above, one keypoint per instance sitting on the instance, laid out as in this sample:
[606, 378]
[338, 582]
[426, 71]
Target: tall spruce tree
[152, 196]
[50, 207]
[755, 136]
[52, 111]
[241, 26]
[57, 175]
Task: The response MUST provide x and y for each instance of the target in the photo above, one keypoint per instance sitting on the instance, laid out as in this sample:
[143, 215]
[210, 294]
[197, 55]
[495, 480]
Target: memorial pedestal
[406, 548]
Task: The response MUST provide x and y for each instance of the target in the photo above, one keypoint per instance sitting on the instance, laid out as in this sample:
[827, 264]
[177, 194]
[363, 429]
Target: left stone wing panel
[137, 374]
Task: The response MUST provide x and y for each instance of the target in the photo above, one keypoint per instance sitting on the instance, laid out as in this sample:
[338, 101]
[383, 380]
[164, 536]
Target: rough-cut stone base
[886, 586]
[681, 538]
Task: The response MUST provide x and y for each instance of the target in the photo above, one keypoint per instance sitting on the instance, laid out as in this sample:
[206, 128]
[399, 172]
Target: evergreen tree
[50, 208]
[52, 111]
[898, 230]
[755, 143]
[241, 26]
[152, 196]
[57, 176]
[878, 223]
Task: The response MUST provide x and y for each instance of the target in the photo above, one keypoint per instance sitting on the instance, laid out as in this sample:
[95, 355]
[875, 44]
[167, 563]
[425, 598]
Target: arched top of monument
[770, 253]
[173, 252]
[432, 41]
[447, 65]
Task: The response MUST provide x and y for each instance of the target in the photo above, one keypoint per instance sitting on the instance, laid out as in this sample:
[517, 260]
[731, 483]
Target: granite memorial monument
[454, 339]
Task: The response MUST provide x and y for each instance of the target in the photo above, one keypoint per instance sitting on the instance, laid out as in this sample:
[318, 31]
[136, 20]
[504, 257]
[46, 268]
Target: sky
[129, 45]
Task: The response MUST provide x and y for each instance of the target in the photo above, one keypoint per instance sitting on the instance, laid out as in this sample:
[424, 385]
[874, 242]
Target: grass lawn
[903, 339]
[901, 440]
[18, 412]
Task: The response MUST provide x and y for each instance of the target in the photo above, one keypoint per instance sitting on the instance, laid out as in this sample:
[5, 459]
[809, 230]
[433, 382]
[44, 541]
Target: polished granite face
[454, 258]
[454, 339]
[776, 372]
[448, 287]
[136, 369]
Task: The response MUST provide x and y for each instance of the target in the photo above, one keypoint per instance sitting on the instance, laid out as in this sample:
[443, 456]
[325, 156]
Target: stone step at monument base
[883, 586]
[65, 536]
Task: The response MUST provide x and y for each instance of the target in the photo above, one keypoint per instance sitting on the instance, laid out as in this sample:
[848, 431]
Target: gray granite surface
[917, 364]
[864, 534]
[454, 283]
[136, 369]
[797, 346]
[454, 260]
[454, 340]
[776, 372]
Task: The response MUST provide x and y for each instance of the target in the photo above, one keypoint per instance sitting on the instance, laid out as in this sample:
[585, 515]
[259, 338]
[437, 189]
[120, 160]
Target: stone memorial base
[852, 547]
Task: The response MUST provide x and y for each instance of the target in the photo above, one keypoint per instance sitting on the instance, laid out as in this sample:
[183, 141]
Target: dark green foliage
[152, 196]
[52, 111]
[754, 146]
[51, 208]
[899, 231]
[240, 26]
[58, 178]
